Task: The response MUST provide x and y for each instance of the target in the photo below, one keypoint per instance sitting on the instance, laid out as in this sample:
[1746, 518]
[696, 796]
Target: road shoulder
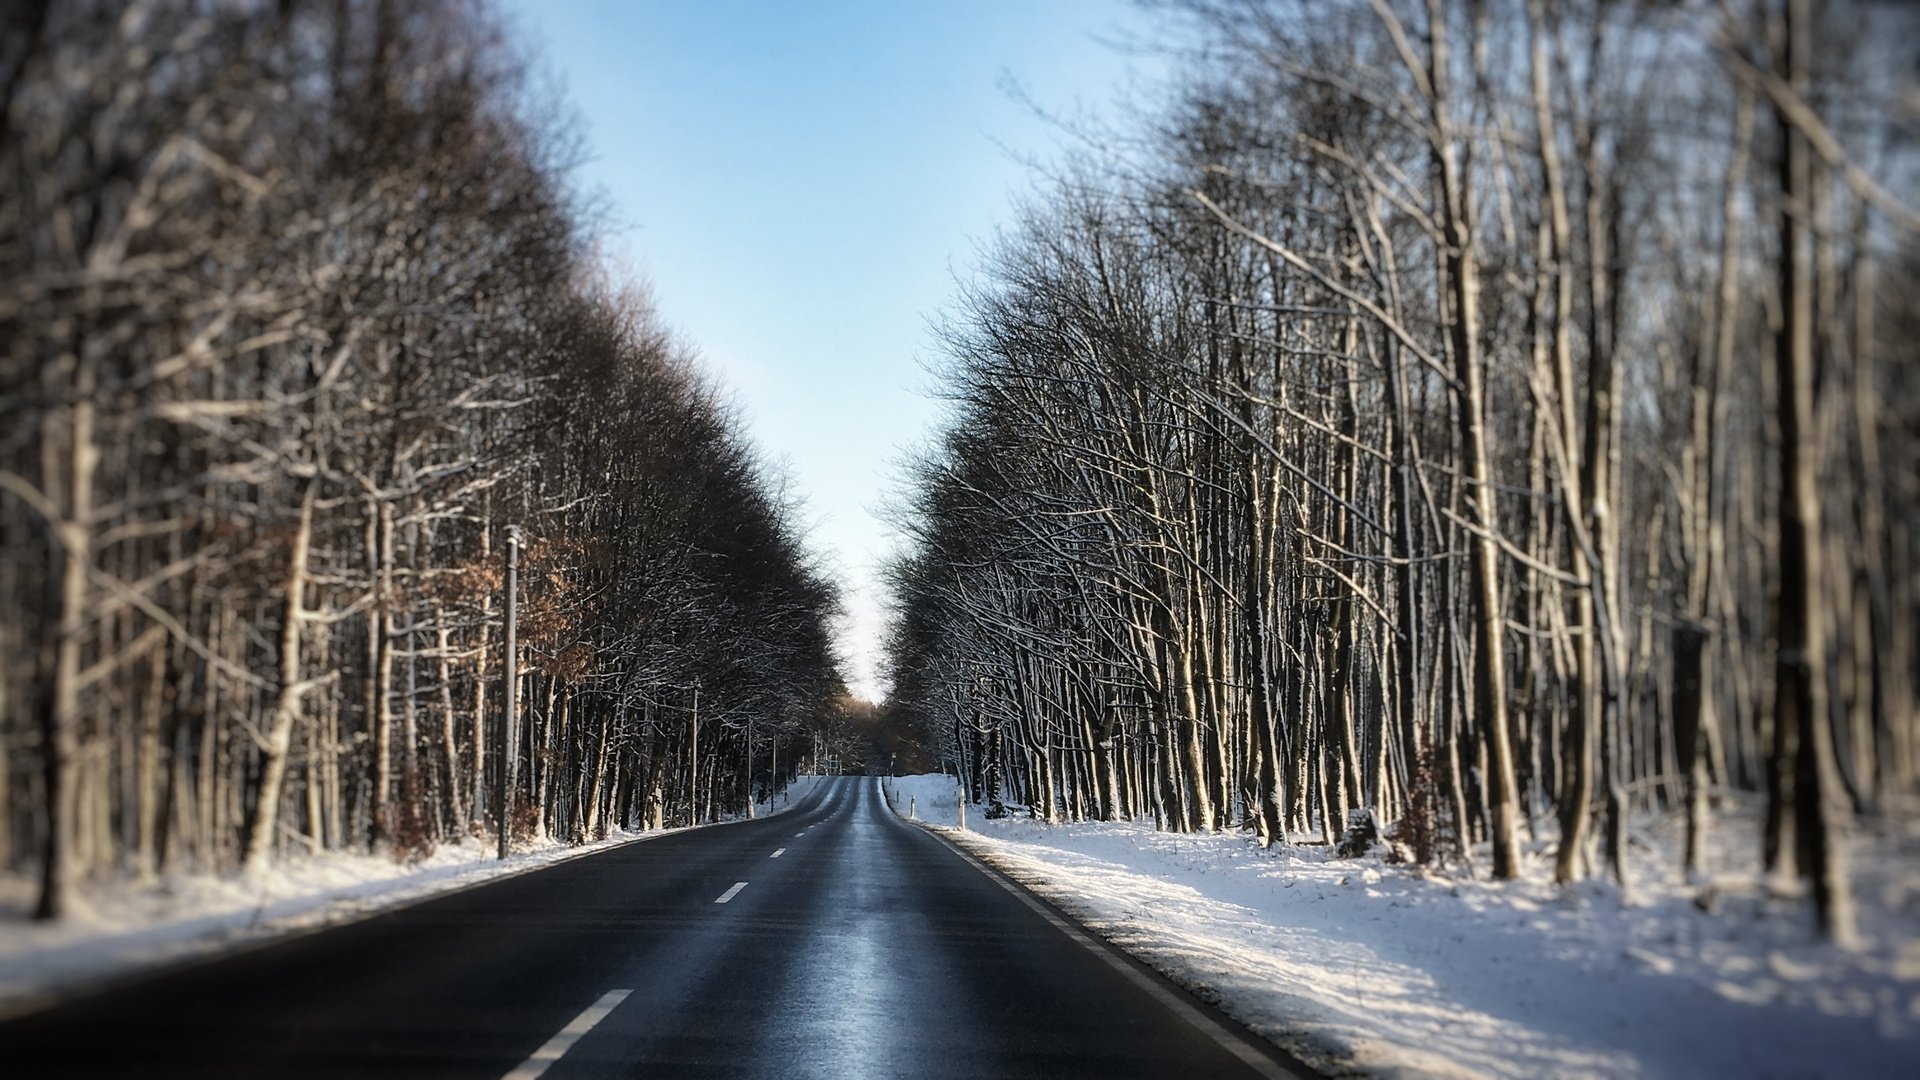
[1194, 1002]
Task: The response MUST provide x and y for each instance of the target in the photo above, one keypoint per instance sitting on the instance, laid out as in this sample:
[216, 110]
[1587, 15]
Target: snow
[1362, 967]
[121, 928]
[932, 798]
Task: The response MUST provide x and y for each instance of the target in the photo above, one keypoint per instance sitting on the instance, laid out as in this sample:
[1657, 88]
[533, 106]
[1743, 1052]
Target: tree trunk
[1463, 325]
[1800, 696]
[293, 689]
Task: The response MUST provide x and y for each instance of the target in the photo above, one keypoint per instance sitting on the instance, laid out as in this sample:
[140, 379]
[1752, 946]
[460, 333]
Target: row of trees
[297, 318]
[1501, 417]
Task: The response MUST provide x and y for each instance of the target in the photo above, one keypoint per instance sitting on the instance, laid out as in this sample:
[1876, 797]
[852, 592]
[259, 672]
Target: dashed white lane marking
[778, 853]
[731, 893]
[800, 834]
[557, 1046]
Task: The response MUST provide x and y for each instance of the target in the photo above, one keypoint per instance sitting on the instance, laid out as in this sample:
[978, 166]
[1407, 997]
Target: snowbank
[1362, 967]
[933, 798]
[123, 927]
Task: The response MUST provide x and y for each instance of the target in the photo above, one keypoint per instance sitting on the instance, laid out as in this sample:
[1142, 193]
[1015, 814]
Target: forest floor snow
[123, 927]
[1362, 967]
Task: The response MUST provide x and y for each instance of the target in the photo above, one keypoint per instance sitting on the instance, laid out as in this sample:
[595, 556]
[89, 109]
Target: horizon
[808, 123]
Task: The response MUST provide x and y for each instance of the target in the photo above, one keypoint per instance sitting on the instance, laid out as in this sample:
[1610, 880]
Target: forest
[1491, 422]
[304, 339]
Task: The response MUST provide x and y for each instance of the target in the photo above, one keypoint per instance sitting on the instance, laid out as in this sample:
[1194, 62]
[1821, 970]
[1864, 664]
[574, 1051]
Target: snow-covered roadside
[125, 927]
[1362, 967]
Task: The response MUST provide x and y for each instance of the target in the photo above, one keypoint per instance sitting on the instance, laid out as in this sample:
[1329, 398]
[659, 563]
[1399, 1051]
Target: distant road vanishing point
[833, 940]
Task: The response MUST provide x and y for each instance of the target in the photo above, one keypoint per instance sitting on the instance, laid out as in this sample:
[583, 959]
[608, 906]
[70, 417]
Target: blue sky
[800, 183]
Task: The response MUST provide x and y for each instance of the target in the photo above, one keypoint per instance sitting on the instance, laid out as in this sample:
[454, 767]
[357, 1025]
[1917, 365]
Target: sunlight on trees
[298, 316]
[1499, 418]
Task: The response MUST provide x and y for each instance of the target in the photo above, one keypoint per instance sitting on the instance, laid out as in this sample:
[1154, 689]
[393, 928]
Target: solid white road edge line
[557, 1046]
[731, 893]
[1229, 1040]
[777, 853]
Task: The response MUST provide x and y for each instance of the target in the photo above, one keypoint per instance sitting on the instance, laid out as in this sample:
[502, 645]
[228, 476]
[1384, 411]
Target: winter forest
[1491, 423]
[1299, 537]
[303, 338]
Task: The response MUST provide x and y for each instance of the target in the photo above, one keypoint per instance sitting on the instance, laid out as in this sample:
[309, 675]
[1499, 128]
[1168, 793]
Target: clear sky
[801, 181]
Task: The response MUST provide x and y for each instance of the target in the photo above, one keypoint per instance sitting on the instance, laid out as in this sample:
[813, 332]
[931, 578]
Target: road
[833, 940]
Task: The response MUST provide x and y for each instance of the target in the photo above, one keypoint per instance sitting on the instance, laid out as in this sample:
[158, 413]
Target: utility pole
[693, 770]
[503, 795]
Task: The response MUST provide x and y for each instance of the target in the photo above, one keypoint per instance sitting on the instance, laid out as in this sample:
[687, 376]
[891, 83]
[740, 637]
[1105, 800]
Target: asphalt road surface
[833, 940]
